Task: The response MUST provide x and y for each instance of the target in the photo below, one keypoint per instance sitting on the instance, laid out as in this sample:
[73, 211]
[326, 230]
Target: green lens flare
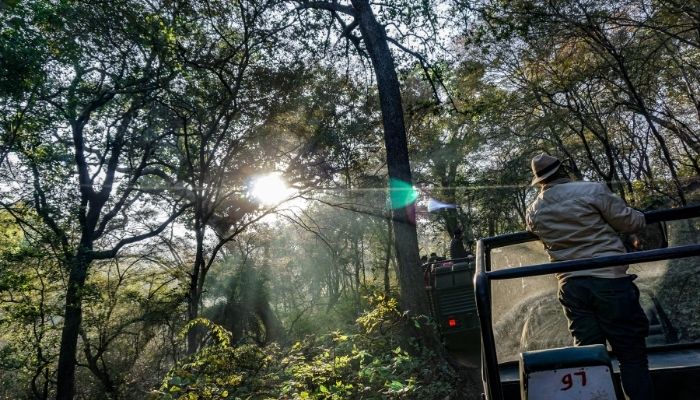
[401, 193]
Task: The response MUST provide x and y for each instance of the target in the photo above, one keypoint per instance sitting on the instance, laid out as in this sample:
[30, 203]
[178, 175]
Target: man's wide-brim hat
[543, 166]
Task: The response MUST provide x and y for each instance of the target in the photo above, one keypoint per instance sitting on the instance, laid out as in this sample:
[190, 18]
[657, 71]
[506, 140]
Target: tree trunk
[387, 258]
[196, 277]
[413, 298]
[102, 374]
[71, 327]
[274, 330]
[192, 313]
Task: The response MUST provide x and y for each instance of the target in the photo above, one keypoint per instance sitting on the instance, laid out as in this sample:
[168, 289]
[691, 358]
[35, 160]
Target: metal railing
[484, 276]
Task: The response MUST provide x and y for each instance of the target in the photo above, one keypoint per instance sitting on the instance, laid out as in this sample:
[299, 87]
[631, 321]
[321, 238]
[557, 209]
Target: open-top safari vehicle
[450, 289]
[525, 347]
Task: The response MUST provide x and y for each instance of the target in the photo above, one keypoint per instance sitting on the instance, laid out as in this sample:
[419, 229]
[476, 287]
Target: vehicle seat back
[567, 373]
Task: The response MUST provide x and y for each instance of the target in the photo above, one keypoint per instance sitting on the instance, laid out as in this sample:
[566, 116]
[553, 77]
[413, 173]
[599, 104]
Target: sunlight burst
[270, 189]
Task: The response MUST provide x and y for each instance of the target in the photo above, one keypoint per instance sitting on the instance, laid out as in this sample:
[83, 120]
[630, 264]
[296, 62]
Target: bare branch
[425, 64]
[107, 254]
[347, 33]
[325, 5]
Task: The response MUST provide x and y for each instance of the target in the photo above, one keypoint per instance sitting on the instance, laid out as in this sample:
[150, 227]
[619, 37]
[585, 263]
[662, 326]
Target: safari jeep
[526, 350]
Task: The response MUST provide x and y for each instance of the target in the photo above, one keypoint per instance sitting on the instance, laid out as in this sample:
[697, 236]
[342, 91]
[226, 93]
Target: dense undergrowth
[365, 362]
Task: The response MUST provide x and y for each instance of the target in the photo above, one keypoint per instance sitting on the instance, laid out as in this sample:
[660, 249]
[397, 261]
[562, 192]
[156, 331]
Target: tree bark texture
[71, 328]
[413, 298]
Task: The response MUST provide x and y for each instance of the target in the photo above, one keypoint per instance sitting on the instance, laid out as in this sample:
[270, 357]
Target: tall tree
[83, 157]
[589, 72]
[374, 42]
[215, 115]
[229, 115]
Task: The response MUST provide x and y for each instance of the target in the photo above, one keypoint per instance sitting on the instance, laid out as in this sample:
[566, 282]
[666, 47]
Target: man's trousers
[600, 310]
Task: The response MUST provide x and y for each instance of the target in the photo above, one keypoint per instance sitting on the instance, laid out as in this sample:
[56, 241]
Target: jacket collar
[555, 182]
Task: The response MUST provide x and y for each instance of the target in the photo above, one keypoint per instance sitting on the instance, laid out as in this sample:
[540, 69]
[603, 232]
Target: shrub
[365, 364]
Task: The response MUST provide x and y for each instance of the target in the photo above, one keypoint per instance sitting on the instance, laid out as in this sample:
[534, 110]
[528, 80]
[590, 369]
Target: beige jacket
[581, 220]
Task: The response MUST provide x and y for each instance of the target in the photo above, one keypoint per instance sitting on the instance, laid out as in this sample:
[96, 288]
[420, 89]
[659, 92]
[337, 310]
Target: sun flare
[270, 189]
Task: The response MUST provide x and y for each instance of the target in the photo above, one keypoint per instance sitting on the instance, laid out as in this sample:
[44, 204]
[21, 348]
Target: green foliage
[206, 95]
[29, 281]
[368, 363]
[221, 337]
[597, 84]
[21, 49]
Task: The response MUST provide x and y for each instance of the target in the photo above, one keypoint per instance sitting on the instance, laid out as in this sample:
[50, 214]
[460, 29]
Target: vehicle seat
[571, 373]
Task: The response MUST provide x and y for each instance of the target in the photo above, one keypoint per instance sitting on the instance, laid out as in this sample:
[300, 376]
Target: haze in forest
[142, 255]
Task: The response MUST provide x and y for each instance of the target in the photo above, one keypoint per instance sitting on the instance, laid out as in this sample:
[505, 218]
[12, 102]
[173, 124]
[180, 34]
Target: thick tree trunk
[413, 298]
[274, 330]
[192, 313]
[71, 327]
[387, 258]
[196, 280]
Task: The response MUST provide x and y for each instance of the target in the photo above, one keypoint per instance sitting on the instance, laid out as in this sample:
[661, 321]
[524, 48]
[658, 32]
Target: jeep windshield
[526, 314]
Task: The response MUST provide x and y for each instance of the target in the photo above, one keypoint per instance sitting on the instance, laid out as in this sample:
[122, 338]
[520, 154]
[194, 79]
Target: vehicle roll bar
[483, 277]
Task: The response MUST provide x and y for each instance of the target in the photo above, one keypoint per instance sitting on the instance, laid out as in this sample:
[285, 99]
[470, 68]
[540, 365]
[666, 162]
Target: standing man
[581, 220]
[457, 250]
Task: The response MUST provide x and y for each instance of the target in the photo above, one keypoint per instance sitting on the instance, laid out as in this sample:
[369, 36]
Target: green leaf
[395, 386]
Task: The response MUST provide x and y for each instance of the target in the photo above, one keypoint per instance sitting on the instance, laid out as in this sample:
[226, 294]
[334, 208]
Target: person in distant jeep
[581, 220]
[457, 250]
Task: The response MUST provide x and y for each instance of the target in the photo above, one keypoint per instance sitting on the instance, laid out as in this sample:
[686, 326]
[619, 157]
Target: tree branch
[325, 5]
[107, 254]
[426, 70]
